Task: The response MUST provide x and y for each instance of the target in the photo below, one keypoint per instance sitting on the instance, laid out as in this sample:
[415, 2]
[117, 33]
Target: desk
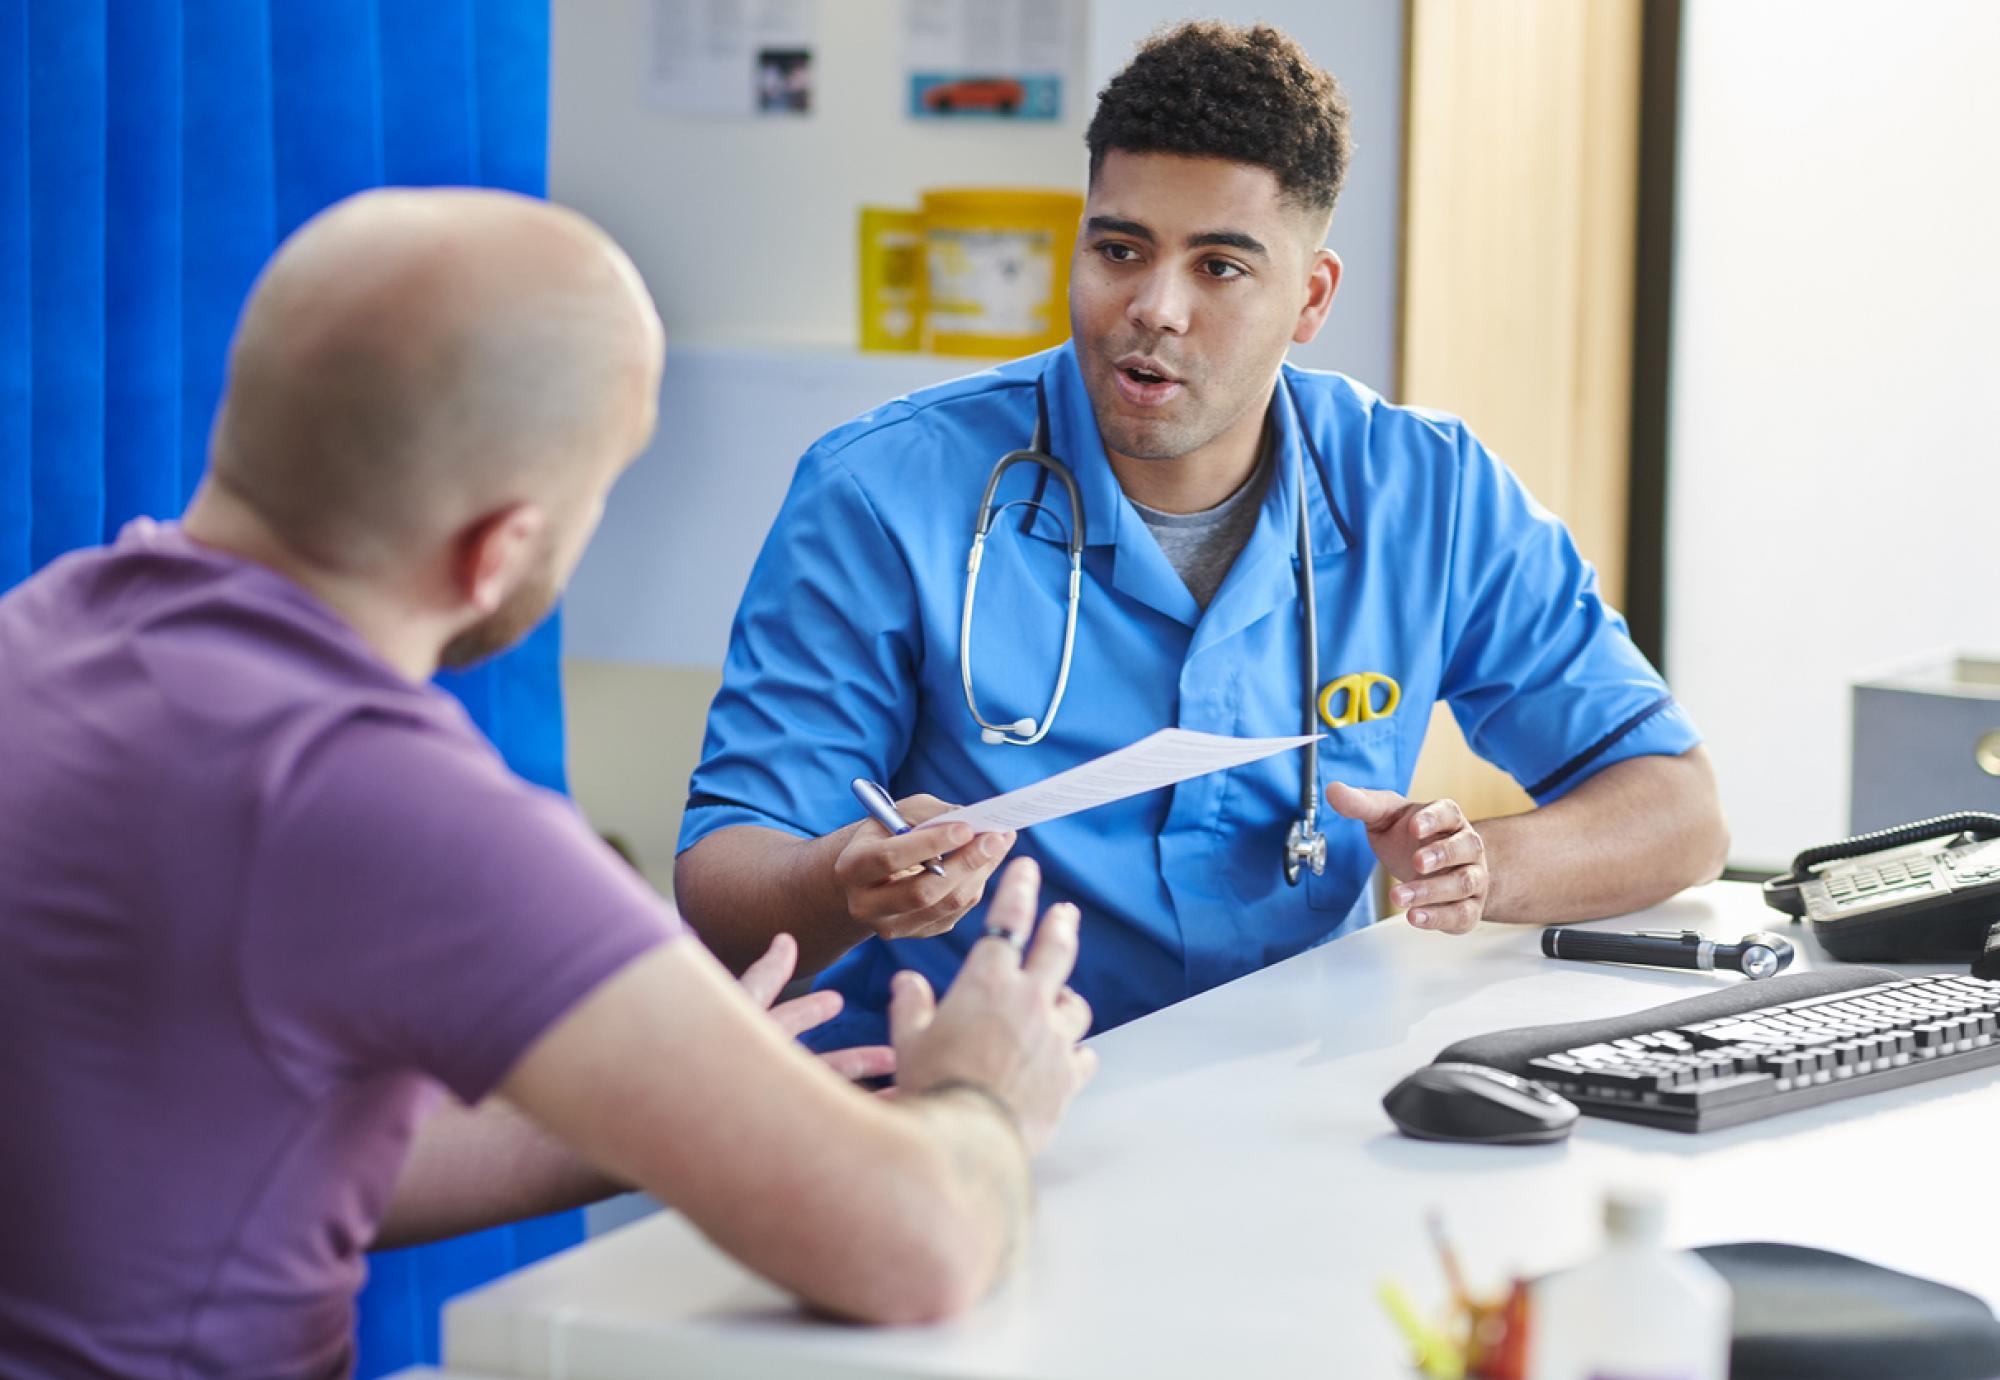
[1222, 1200]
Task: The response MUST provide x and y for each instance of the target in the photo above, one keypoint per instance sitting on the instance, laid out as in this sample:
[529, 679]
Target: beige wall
[634, 737]
[1522, 175]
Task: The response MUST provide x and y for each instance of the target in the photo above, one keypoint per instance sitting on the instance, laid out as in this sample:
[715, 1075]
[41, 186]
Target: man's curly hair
[1207, 89]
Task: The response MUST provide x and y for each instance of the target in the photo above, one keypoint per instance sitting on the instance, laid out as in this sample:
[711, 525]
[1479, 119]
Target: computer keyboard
[1759, 1062]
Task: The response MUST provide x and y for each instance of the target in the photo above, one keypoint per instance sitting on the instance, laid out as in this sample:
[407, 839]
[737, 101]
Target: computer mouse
[1470, 1102]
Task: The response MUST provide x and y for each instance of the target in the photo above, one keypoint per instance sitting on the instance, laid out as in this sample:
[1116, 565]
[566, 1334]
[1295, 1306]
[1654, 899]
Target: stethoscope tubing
[1036, 454]
[1025, 733]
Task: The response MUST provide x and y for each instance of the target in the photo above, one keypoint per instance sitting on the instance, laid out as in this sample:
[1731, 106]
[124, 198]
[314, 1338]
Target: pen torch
[1755, 955]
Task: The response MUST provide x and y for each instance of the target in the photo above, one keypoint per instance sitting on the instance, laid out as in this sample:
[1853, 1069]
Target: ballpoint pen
[883, 811]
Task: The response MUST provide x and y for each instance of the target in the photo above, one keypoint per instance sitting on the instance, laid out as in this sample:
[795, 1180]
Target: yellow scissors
[1359, 706]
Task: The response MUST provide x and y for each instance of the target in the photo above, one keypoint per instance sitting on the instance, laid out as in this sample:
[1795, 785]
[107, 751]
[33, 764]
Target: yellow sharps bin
[997, 268]
[892, 278]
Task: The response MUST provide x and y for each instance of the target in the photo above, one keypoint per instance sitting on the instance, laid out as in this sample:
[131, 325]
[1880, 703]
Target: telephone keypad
[1850, 888]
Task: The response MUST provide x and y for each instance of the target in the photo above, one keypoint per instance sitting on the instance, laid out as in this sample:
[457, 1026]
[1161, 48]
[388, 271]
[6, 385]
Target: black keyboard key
[1746, 1032]
[1616, 1083]
[1557, 1070]
[1720, 1092]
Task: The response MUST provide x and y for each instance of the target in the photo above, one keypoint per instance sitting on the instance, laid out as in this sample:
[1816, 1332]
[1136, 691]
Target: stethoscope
[1305, 845]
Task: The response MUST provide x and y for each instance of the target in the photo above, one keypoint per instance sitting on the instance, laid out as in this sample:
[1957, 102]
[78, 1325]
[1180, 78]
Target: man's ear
[1321, 283]
[496, 552]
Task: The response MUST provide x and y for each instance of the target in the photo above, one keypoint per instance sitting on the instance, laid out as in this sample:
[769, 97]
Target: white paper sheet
[1163, 758]
[732, 57]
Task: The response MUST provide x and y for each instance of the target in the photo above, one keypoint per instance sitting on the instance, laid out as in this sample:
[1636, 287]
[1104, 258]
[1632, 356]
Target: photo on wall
[987, 59]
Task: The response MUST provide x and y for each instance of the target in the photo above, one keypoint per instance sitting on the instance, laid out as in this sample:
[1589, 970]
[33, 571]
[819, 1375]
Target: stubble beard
[1142, 438]
[505, 626]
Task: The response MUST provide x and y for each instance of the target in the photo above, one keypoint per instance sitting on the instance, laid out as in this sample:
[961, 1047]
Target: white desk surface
[1223, 1199]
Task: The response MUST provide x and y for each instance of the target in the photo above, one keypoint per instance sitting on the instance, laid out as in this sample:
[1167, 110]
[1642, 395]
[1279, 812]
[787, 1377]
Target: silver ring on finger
[1017, 940]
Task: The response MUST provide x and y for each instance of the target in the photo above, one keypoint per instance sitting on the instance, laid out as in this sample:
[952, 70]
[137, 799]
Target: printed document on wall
[989, 59]
[732, 57]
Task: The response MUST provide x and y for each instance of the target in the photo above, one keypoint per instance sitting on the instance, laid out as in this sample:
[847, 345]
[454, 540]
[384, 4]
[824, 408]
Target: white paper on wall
[732, 58]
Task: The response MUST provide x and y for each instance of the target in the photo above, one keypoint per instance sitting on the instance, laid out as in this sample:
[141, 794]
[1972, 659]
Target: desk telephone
[1927, 892]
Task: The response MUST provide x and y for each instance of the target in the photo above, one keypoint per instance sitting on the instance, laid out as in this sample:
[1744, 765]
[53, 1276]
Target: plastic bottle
[1636, 1312]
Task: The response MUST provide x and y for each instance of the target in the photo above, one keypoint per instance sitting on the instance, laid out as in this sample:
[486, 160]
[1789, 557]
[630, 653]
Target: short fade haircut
[1206, 89]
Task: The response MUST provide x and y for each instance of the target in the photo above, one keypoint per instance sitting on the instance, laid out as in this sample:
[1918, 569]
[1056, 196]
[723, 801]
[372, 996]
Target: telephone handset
[1927, 892]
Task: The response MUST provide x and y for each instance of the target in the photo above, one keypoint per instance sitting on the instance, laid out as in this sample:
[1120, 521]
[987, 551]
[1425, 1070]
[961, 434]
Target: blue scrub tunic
[1432, 564]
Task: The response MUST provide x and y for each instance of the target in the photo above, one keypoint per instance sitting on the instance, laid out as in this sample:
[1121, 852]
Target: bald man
[290, 965]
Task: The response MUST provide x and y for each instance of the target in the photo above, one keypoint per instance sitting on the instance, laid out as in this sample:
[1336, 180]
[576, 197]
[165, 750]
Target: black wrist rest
[1511, 1050]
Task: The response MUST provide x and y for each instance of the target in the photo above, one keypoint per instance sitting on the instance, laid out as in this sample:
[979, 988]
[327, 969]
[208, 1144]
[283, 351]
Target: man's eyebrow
[1224, 239]
[1111, 225]
[1229, 239]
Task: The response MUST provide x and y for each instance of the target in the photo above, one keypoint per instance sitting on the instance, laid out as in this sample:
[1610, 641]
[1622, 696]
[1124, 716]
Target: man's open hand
[1433, 852]
[765, 978]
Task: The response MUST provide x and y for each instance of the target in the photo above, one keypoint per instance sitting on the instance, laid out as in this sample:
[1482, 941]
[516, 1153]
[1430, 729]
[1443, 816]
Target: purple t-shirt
[259, 897]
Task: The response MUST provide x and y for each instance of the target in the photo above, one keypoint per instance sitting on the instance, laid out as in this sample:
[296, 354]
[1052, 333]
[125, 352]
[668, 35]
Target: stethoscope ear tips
[992, 737]
[1020, 728]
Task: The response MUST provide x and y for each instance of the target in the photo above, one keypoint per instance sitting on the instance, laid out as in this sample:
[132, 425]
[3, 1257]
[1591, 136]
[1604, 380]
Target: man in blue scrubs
[1215, 160]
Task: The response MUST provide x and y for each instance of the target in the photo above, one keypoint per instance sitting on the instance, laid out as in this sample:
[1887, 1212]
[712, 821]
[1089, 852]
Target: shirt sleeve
[1541, 673]
[820, 682]
[410, 903]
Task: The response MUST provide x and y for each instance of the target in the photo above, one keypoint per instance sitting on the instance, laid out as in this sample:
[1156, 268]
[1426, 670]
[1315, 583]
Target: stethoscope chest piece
[1305, 847]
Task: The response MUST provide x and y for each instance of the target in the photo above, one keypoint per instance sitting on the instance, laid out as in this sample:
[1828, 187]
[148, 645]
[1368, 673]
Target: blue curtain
[152, 154]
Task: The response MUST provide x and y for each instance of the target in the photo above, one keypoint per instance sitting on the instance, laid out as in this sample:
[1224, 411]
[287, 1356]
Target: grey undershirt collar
[1202, 546]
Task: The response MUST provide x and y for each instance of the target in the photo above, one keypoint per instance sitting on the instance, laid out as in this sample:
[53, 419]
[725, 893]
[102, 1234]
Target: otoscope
[1756, 955]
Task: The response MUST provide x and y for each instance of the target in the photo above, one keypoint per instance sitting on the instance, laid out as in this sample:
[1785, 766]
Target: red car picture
[1003, 95]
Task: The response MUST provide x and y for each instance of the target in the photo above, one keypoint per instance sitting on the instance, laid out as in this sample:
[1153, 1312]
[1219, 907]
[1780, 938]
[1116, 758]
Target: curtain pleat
[152, 155]
[66, 267]
[17, 374]
[326, 115]
[142, 265]
[228, 224]
[510, 45]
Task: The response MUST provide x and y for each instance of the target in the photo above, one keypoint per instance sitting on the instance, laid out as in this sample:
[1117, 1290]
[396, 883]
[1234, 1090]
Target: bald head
[410, 360]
